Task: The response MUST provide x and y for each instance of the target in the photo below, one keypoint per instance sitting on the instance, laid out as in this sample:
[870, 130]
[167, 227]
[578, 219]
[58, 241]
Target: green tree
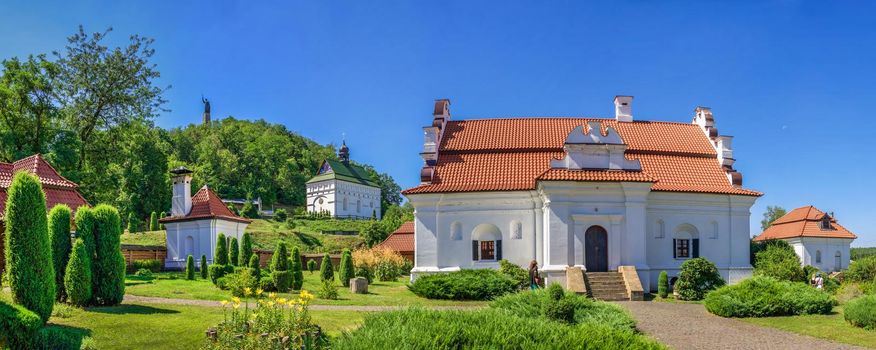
[297, 269]
[108, 268]
[153, 221]
[133, 223]
[280, 215]
[77, 276]
[254, 265]
[280, 273]
[59, 228]
[346, 271]
[29, 117]
[395, 216]
[245, 249]
[161, 216]
[145, 182]
[190, 268]
[28, 247]
[772, 213]
[311, 266]
[221, 255]
[249, 210]
[203, 270]
[779, 261]
[233, 252]
[697, 277]
[373, 233]
[326, 271]
[85, 226]
[663, 285]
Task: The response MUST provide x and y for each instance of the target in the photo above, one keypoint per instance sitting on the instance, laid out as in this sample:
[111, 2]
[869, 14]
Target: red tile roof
[58, 190]
[207, 205]
[401, 240]
[514, 154]
[804, 222]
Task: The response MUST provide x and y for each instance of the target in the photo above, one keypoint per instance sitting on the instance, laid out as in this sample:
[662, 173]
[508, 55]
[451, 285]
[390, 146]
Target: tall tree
[59, 232]
[28, 112]
[145, 185]
[772, 213]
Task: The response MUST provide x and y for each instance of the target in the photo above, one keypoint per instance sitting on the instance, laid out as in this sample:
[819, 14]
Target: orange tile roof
[58, 190]
[513, 154]
[207, 205]
[803, 222]
[402, 239]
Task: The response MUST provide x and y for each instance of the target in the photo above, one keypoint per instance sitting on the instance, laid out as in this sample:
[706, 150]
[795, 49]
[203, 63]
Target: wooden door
[596, 249]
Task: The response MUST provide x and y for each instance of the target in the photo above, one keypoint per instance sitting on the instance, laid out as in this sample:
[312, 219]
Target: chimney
[623, 108]
[432, 139]
[181, 203]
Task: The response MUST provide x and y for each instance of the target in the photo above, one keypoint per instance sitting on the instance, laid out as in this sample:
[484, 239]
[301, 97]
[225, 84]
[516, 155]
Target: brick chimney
[432, 139]
[623, 108]
[181, 204]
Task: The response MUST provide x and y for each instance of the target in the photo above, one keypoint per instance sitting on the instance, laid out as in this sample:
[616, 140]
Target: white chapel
[342, 189]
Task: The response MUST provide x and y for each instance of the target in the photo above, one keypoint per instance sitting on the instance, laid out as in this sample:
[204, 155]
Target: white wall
[361, 200]
[807, 249]
[203, 235]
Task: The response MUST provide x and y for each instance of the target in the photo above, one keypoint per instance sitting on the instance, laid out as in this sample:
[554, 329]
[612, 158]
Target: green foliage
[233, 209]
[698, 276]
[531, 304]
[153, 222]
[249, 210]
[77, 276]
[296, 268]
[254, 265]
[27, 107]
[59, 233]
[559, 310]
[514, 272]
[282, 280]
[133, 223]
[216, 272]
[267, 284]
[361, 271]
[161, 216]
[663, 285]
[848, 291]
[18, 324]
[108, 268]
[204, 270]
[779, 262]
[478, 284]
[862, 270]
[280, 258]
[233, 252]
[555, 291]
[238, 281]
[328, 290]
[771, 214]
[311, 266]
[762, 296]
[153, 265]
[220, 256]
[85, 229]
[190, 268]
[245, 249]
[326, 271]
[280, 215]
[346, 271]
[374, 233]
[861, 312]
[395, 216]
[289, 223]
[28, 247]
[857, 253]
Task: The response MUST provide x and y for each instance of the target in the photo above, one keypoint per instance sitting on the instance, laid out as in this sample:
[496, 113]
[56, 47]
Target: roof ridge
[565, 118]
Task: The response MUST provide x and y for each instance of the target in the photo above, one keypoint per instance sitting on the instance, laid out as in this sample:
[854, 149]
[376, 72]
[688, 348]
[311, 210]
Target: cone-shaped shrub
[153, 222]
[28, 247]
[221, 254]
[279, 268]
[203, 269]
[311, 266]
[297, 269]
[85, 229]
[245, 249]
[233, 252]
[190, 268]
[77, 276]
[254, 265]
[663, 285]
[59, 231]
[326, 271]
[132, 223]
[161, 216]
[108, 267]
[346, 270]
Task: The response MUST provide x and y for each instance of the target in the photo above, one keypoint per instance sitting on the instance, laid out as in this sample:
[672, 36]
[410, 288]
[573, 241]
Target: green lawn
[380, 293]
[831, 327]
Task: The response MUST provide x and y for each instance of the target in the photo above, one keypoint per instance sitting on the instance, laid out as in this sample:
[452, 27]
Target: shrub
[280, 258]
[479, 284]
[761, 296]
[254, 265]
[779, 262]
[190, 268]
[514, 272]
[203, 268]
[861, 312]
[249, 210]
[862, 270]
[132, 223]
[161, 216]
[153, 222]
[289, 223]
[326, 271]
[311, 265]
[242, 282]
[220, 256]
[328, 290]
[663, 285]
[848, 291]
[383, 263]
[271, 324]
[282, 280]
[233, 252]
[153, 265]
[108, 268]
[216, 272]
[18, 324]
[280, 215]
[365, 273]
[267, 284]
[530, 304]
[296, 268]
[28, 247]
[77, 276]
[85, 229]
[245, 249]
[697, 277]
[555, 291]
[59, 233]
[144, 273]
[346, 270]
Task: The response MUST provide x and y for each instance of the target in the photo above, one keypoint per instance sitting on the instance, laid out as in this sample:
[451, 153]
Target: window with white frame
[685, 242]
[486, 244]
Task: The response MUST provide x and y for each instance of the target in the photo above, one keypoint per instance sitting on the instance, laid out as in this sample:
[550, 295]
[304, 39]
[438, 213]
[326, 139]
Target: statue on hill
[206, 103]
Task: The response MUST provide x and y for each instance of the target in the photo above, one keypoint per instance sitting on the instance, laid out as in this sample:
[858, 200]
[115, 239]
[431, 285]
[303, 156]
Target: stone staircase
[607, 286]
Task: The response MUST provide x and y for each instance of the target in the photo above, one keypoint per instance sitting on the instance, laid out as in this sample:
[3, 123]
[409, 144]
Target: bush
[530, 304]
[85, 229]
[479, 284]
[296, 268]
[245, 249]
[190, 268]
[59, 233]
[220, 256]
[267, 284]
[241, 280]
[77, 276]
[862, 270]
[280, 215]
[153, 265]
[555, 291]
[28, 247]
[861, 312]
[18, 325]
[346, 270]
[233, 252]
[555, 307]
[153, 222]
[328, 290]
[144, 274]
[160, 225]
[764, 296]
[326, 271]
[365, 273]
[133, 223]
[663, 285]
[280, 258]
[254, 264]
[514, 272]
[698, 276]
[282, 280]
[383, 263]
[289, 223]
[108, 268]
[311, 266]
[216, 272]
[249, 210]
[779, 262]
[203, 268]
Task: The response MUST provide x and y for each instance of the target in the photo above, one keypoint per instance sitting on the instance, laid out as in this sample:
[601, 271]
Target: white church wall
[196, 238]
[808, 249]
[343, 199]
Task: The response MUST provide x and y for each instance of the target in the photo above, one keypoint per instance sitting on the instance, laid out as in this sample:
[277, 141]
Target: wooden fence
[141, 252]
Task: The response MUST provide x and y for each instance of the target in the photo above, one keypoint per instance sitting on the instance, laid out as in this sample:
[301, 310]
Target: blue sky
[793, 81]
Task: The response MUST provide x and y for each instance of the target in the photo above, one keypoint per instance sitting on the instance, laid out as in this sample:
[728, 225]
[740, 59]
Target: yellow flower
[305, 296]
[236, 305]
[272, 295]
[236, 300]
[281, 301]
[259, 291]
[270, 303]
[247, 291]
[223, 302]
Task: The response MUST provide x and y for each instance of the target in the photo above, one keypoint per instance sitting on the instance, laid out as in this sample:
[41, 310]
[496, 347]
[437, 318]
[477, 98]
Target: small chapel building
[816, 237]
[342, 189]
[594, 193]
[196, 221]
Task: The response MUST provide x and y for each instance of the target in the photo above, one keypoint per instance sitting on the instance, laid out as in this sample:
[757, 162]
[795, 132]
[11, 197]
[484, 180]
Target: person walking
[534, 279]
[819, 282]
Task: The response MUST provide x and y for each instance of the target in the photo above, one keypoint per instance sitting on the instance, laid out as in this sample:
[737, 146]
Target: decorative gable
[591, 149]
[324, 169]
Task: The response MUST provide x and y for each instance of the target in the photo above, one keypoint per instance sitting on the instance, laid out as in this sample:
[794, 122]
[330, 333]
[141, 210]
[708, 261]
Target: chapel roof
[402, 239]
[804, 222]
[58, 190]
[206, 204]
[345, 171]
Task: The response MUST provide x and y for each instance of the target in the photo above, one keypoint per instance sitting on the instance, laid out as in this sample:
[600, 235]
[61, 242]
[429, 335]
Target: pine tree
[279, 268]
[326, 271]
[346, 270]
[297, 269]
[28, 247]
[203, 267]
[85, 230]
[221, 255]
[59, 227]
[77, 276]
[190, 268]
[245, 249]
[132, 223]
[160, 225]
[233, 252]
[153, 222]
[108, 268]
[311, 266]
[254, 265]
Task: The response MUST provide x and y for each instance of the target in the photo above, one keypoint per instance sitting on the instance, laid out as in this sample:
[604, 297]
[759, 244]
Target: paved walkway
[690, 326]
[156, 300]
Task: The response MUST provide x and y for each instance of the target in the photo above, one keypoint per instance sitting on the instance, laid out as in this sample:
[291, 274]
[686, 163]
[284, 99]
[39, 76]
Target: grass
[151, 238]
[380, 293]
[832, 327]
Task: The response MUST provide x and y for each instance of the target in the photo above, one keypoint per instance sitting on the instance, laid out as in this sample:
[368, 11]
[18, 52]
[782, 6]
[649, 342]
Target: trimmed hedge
[296, 268]
[764, 296]
[245, 249]
[59, 233]
[478, 284]
[220, 256]
[531, 304]
[77, 277]
[153, 222]
[282, 280]
[698, 276]
[663, 285]
[346, 270]
[153, 265]
[28, 247]
[326, 270]
[18, 325]
[861, 312]
[233, 252]
[108, 268]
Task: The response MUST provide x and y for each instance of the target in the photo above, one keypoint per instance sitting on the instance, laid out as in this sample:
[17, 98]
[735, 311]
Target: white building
[343, 189]
[195, 222]
[586, 192]
[816, 237]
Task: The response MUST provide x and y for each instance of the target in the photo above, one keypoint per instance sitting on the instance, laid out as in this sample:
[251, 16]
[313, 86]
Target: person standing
[534, 279]
[819, 282]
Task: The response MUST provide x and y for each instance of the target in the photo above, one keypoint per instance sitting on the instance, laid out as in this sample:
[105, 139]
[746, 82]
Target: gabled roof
[804, 222]
[514, 154]
[344, 171]
[207, 205]
[58, 190]
[402, 239]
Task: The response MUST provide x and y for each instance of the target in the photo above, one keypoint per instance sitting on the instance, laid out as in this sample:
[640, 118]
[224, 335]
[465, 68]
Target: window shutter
[498, 249]
[475, 246]
[674, 252]
[696, 247]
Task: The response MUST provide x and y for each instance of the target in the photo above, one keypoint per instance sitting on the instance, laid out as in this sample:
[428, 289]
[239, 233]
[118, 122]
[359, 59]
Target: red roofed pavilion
[401, 241]
[816, 236]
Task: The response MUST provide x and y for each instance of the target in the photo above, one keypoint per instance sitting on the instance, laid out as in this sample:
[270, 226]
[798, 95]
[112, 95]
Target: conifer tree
[77, 276]
[326, 271]
[311, 266]
[245, 249]
[221, 255]
[297, 269]
[346, 270]
[233, 252]
[160, 225]
[153, 222]
[254, 265]
[108, 267]
[279, 268]
[190, 268]
[132, 223]
[203, 267]
[59, 227]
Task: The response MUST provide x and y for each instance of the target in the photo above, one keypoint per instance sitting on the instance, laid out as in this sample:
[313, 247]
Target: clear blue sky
[793, 81]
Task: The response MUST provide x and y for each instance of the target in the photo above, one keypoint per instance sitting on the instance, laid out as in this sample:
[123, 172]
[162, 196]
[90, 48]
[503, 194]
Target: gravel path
[690, 326]
[156, 300]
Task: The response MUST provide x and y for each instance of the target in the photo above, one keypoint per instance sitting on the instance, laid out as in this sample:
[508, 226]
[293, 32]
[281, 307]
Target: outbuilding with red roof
[401, 241]
[816, 237]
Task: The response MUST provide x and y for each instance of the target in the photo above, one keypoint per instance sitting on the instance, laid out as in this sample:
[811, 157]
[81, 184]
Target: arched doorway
[596, 249]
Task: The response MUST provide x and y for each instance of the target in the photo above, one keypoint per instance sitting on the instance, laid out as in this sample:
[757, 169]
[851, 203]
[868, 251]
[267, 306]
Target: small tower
[344, 152]
[181, 203]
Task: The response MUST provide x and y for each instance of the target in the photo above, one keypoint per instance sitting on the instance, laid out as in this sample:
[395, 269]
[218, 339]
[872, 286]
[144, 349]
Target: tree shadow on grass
[129, 309]
[62, 336]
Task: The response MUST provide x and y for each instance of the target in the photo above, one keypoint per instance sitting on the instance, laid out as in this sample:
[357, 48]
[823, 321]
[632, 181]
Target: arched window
[486, 243]
[516, 230]
[818, 257]
[456, 231]
[661, 229]
[686, 242]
